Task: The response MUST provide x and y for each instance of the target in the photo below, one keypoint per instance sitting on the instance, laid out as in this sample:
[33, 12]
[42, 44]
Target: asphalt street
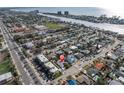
[25, 71]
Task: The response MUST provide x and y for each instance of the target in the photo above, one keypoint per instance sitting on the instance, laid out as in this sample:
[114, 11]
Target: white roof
[52, 67]
[5, 76]
[42, 58]
[73, 47]
[112, 55]
[121, 68]
[29, 44]
[98, 45]
[41, 27]
[62, 41]
[121, 79]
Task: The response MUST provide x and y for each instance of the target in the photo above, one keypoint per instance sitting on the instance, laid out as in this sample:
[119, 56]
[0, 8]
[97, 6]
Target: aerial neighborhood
[40, 50]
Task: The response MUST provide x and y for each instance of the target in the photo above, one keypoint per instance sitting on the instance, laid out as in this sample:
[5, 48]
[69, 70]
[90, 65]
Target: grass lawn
[53, 25]
[5, 66]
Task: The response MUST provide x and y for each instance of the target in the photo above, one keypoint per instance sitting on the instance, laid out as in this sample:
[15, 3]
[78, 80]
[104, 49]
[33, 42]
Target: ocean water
[93, 11]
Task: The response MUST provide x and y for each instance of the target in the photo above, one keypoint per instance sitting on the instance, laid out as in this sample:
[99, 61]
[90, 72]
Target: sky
[115, 6]
[98, 3]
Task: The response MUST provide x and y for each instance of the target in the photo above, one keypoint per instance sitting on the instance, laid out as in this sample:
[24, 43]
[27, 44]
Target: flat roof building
[42, 58]
[115, 82]
[121, 79]
[40, 27]
[73, 47]
[52, 67]
[5, 77]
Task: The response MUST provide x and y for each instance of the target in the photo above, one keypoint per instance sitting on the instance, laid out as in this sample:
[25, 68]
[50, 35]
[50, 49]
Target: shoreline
[105, 26]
